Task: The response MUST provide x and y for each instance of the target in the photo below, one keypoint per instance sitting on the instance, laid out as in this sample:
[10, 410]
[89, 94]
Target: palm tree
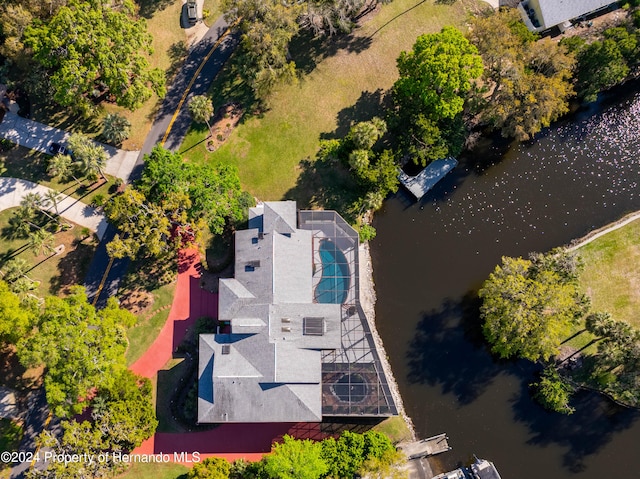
[53, 197]
[14, 269]
[91, 158]
[41, 241]
[22, 222]
[35, 201]
[60, 167]
[201, 109]
[116, 128]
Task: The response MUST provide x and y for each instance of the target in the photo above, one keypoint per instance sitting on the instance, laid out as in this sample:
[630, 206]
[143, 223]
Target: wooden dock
[426, 447]
[420, 184]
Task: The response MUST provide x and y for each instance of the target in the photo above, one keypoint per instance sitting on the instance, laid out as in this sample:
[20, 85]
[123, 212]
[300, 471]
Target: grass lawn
[141, 470]
[345, 81]
[213, 6]
[26, 164]
[150, 322]
[612, 273]
[54, 272]
[395, 428]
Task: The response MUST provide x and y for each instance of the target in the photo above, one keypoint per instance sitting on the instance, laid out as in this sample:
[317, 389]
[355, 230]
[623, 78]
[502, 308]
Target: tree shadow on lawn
[325, 184]
[72, 267]
[308, 50]
[149, 7]
[368, 105]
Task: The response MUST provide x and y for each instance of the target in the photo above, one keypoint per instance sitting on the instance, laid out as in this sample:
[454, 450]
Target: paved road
[178, 89]
[38, 136]
[12, 190]
[200, 85]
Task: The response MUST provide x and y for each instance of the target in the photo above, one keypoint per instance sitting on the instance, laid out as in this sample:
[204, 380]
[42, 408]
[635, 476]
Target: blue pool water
[334, 284]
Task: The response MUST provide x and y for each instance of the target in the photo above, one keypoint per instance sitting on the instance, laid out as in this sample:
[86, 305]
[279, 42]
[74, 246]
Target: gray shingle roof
[555, 12]
[272, 372]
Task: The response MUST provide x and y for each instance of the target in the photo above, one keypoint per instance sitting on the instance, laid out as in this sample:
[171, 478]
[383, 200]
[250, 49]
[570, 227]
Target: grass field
[612, 273]
[345, 81]
[395, 428]
[26, 164]
[140, 470]
[54, 272]
[144, 333]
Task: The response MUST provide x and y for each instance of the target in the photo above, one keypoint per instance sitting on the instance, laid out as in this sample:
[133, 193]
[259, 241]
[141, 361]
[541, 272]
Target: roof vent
[226, 349]
[286, 320]
[260, 235]
[254, 263]
[313, 326]
[286, 329]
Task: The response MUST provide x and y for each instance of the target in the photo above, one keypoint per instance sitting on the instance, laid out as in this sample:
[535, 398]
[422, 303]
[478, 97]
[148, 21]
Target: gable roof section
[232, 296]
[292, 267]
[280, 216]
[245, 386]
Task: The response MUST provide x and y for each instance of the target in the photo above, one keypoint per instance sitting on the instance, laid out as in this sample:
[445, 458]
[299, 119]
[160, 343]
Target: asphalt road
[179, 87]
[95, 281]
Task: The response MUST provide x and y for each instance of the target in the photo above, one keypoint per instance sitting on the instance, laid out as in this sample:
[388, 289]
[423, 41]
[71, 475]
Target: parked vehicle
[59, 149]
[192, 11]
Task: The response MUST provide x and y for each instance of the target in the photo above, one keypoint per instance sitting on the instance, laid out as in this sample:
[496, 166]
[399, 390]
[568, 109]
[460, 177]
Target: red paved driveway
[232, 441]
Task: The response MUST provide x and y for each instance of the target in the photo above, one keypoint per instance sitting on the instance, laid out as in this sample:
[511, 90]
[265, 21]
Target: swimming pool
[334, 283]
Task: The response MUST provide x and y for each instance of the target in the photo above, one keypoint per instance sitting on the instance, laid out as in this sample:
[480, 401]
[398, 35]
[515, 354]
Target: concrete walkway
[38, 136]
[12, 190]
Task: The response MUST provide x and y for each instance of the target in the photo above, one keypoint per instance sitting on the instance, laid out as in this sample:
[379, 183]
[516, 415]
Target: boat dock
[426, 447]
[420, 184]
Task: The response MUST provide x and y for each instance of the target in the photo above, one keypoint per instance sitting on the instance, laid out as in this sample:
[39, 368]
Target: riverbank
[597, 233]
[367, 295]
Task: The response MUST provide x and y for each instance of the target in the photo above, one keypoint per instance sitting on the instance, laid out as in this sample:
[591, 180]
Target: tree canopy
[437, 73]
[295, 459]
[81, 348]
[529, 306]
[173, 194]
[529, 81]
[16, 320]
[94, 48]
[436, 77]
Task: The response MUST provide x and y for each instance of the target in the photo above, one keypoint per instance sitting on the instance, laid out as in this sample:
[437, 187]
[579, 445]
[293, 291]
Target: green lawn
[612, 273]
[395, 428]
[144, 333]
[26, 164]
[341, 86]
[141, 470]
[54, 272]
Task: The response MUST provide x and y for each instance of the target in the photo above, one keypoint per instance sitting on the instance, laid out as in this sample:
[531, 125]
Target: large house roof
[269, 369]
[555, 12]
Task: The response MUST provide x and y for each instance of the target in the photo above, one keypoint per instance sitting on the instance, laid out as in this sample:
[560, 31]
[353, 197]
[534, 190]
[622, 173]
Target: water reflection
[430, 258]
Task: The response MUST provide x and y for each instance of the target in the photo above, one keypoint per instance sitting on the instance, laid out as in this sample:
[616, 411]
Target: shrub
[552, 392]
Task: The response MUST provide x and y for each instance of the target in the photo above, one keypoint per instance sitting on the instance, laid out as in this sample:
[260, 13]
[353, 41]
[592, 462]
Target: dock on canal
[426, 447]
[420, 184]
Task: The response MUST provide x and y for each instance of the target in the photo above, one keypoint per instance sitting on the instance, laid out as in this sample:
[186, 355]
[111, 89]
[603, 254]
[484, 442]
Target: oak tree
[96, 48]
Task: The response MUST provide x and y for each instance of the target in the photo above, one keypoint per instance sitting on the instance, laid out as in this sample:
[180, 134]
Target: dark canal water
[430, 258]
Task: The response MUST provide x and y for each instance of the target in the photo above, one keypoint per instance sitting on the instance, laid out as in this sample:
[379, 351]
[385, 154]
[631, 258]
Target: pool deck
[420, 184]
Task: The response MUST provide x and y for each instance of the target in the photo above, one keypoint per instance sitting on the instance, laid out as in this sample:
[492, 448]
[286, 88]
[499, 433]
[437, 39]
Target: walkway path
[38, 136]
[12, 190]
[594, 235]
